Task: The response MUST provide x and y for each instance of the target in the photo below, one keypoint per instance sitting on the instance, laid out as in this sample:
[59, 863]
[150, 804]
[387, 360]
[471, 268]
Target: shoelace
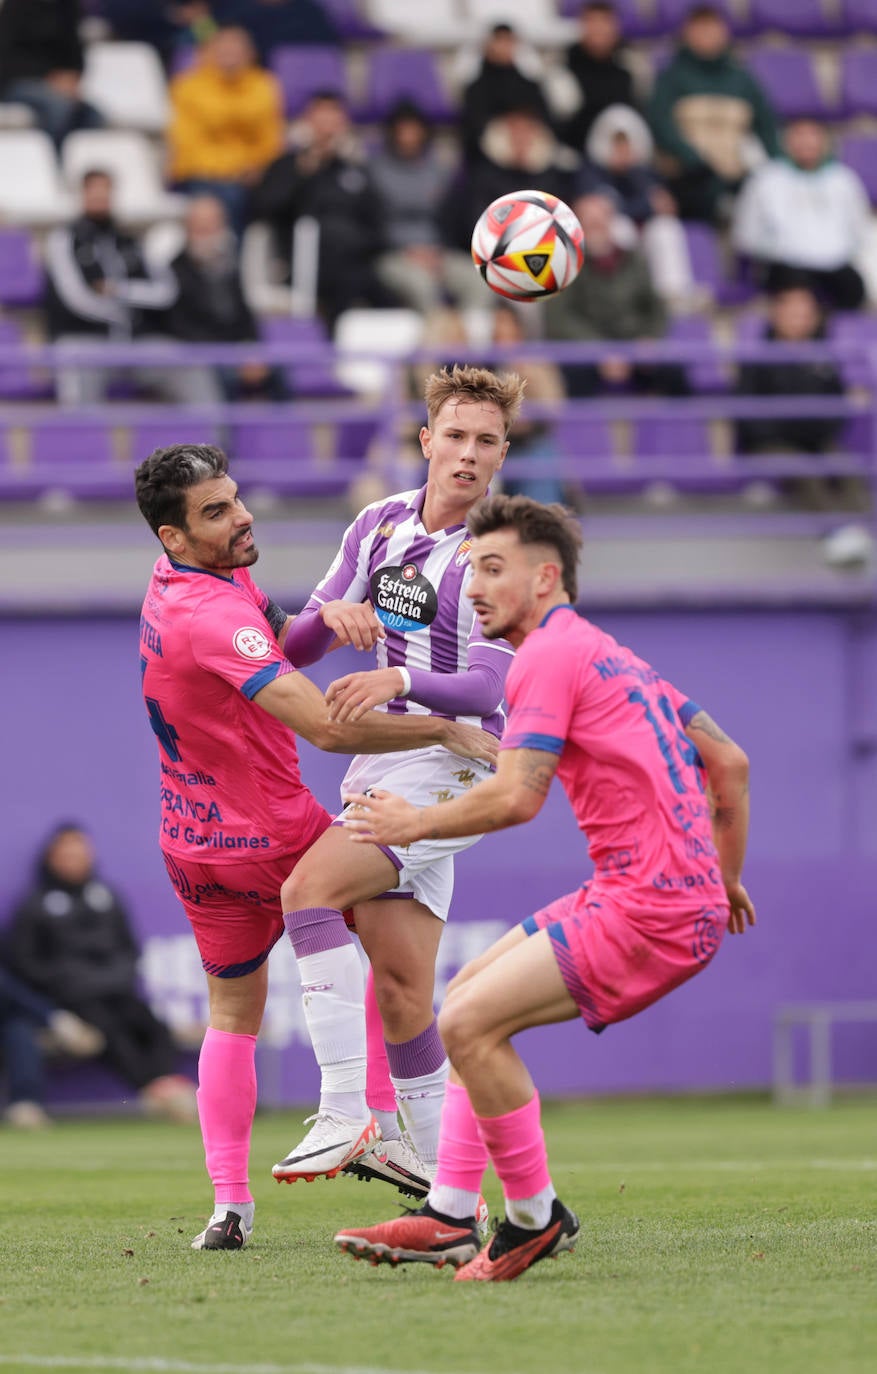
[506, 1236]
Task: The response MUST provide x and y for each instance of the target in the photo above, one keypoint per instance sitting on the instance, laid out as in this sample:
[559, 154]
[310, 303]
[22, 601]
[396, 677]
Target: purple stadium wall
[797, 689]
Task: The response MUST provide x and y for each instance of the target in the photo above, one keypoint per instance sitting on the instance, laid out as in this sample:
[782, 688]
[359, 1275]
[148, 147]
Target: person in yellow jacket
[226, 122]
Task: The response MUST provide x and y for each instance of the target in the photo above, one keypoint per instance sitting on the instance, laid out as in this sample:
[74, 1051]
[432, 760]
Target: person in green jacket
[707, 114]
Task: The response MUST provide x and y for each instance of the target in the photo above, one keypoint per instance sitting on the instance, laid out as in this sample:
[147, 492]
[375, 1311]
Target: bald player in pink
[661, 795]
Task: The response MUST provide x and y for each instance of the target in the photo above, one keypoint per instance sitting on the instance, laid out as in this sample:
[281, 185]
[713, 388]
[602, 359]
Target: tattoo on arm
[704, 722]
[536, 769]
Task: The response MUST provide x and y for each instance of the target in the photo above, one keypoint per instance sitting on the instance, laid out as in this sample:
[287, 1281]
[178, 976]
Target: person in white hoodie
[806, 212]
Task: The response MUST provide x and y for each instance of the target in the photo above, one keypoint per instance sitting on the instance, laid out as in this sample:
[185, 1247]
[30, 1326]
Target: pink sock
[226, 1106]
[517, 1148]
[462, 1155]
[380, 1094]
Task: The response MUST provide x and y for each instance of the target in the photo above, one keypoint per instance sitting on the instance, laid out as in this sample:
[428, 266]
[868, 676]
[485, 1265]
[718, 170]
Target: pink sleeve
[232, 644]
[542, 696]
[684, 707]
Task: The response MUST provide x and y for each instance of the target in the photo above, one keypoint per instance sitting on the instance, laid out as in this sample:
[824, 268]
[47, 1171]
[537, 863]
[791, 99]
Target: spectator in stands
[499, 87]
[412, 180]
[612, 298]
[619, 165]
[210, 306]
[226, 123]
[100, 286]
[71, 940]
[517, 149]
[593, 60]
[30, 1026]
[805, 217]
[532, 438]
[704, 111]
[167, 25]
[795, 316]
[324, 176]
[275, 23]
[41, 64]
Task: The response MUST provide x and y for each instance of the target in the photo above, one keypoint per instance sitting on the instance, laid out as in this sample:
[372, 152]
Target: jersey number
[164, 732]
[684, 747]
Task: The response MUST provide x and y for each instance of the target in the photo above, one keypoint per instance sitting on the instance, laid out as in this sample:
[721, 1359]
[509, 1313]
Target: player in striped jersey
[397, 583]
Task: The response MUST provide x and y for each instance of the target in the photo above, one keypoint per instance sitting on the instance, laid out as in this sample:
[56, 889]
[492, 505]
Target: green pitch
[718, 1235]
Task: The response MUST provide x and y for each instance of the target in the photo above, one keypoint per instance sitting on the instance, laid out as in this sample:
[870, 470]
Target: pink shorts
[234, 908]
[616, 961]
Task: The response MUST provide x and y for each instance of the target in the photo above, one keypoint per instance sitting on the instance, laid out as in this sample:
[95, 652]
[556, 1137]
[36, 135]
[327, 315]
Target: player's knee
[452, 1024]
[304, 889]
[401, 1001]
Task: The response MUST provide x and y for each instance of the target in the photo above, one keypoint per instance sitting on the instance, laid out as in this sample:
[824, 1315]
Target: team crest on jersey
[403, 598]
[463, 552]
[386, 529]
[251, 643]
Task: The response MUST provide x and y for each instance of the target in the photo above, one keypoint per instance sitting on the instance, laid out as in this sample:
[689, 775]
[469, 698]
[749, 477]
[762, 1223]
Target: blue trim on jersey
[549, 744]
[261, 679]
[688, 711]
[237, 970]
[186, 567]
[529, 925]
[563, 606]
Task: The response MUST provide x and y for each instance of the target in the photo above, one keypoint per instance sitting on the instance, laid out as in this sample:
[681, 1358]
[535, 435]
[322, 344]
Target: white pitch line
[155, 1365]
[655, 1166]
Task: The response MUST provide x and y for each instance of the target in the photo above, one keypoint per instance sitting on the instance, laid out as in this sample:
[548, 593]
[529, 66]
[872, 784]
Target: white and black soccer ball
[528, 245]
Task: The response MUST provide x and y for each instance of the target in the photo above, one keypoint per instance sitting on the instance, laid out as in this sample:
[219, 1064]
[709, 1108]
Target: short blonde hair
[475, 384]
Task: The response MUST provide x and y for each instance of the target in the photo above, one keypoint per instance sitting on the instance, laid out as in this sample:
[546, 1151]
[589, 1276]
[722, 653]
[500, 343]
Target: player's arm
[512, 796]
[294, 700]
[727, 770]
[477, 691]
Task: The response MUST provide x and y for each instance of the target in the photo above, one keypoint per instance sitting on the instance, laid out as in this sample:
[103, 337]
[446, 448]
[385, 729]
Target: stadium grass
[718, 1234]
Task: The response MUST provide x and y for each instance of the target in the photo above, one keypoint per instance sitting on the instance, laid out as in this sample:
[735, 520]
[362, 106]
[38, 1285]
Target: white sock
[389, 1124]
[532, 1213]
[420, 1106]
[333, 997]
[245, 1211]
[452, 1202]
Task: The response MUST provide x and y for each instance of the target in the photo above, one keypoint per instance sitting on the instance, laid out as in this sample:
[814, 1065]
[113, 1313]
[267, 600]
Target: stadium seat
[126, 82]
[588, 447]
[138, 194]
[78, 460]
[670, 14]
[31, 189]
[15, 116]
[535, 20]
[860, 16]
[858, 81]
[350, 22]
[788, 75]
[859, 151]
[794, 18]
[704, 254]
[169, 429]
[706, 375]
[395, 74]
[378, 334]
[280, 455]
[637, 21]
[21, 272]
[858, 331]
[303, 70]
[314, 377]
[438, 24]
[18, 382]
[672, 437]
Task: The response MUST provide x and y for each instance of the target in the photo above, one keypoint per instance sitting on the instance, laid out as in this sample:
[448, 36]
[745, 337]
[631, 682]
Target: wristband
[406, 681]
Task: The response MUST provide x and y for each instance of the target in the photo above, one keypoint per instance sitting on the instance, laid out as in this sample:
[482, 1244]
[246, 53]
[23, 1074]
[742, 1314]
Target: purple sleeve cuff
[477, 692]
[307, 638]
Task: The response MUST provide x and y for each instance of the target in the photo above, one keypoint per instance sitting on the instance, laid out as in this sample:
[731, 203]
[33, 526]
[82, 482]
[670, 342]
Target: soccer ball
[527, 245]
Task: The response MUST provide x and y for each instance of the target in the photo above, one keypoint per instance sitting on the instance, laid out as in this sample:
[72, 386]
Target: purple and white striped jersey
[415, 581]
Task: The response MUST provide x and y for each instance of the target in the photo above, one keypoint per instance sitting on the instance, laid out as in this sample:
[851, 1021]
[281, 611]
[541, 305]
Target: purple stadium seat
[705, 256]
[859, 151]
[79, 459]
[855, 329]
[350, 23]
[587, 444]
[789, 78]
[396, 74]
[797, 18]
[705, 376]
[162, 432]
[315, 377]
[303, 70]
[858, 81]
[19, 383]
[670, 14]
[672, 438]
[636, 20]
[21, 273]
[280, 454]
[860, 16]
[74, 443]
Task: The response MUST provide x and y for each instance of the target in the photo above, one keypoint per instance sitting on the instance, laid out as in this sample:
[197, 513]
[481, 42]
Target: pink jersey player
[662, 796]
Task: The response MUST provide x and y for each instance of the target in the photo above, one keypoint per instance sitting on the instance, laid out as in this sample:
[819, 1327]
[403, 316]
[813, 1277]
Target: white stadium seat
[378, 334]
[132, 162]
[438, 24]
[31, 189]
[126, 82]
[15, 116]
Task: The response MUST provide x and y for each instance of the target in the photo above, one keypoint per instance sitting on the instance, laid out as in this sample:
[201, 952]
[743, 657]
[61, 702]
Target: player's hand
[471, 742]
[350, 697]
[742, 908]
[353, 623]
[381, 818]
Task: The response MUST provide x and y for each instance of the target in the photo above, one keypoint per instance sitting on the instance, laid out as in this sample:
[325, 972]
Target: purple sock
[315, 929]
[418, 1057]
